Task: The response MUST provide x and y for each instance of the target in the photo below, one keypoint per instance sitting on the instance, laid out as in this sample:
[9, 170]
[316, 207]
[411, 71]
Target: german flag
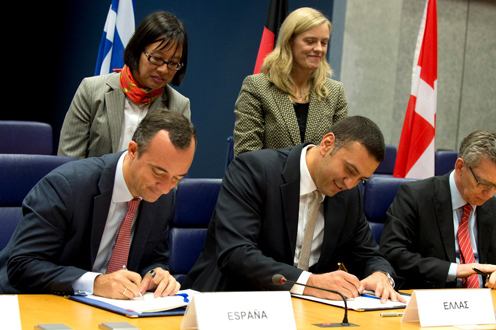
[278, 10]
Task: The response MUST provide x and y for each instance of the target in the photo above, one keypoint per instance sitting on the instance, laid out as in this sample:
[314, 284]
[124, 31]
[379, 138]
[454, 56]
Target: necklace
[302, 96]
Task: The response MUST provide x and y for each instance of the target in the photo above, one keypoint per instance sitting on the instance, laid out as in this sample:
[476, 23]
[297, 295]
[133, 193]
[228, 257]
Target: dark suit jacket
[419, 237]
[252, 233]
[266, 119]
[64, 216]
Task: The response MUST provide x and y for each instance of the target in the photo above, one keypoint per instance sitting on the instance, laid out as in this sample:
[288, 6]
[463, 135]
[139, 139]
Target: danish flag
[416, 150]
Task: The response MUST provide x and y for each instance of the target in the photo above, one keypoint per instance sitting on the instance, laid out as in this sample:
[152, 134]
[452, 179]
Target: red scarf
[132, 90]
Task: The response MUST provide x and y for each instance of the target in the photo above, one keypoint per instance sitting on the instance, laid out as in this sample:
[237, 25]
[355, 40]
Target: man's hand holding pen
[126, 284]
[489, 275]
[349, 285]
[487, 271]
[383, 289]
[122, 284]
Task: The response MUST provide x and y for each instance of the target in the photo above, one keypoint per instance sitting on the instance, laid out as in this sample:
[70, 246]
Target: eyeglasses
[158, 61]
[483, 185]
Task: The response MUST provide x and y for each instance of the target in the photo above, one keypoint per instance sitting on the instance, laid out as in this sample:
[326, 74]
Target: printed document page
[362, 303]
[149, 303]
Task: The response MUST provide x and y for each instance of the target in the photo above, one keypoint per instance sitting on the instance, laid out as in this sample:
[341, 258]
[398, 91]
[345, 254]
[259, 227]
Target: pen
[391, 314]
[369, 296]
[141, 295]
[478, 271]
[342, 267]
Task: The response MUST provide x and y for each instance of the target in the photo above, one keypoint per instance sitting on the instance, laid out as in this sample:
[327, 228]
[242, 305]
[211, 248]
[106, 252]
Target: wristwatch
[390, 278]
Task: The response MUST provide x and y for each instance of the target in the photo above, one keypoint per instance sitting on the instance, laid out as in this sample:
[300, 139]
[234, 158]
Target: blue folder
[125, 312]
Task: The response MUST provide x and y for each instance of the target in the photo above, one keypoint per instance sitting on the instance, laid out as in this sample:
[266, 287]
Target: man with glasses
[441, 231]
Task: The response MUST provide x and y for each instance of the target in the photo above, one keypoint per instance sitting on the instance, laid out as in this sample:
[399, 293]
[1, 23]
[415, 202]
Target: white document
[260, 310]
[150, 303]
[11, 318]
[443, 307]
[360, 304]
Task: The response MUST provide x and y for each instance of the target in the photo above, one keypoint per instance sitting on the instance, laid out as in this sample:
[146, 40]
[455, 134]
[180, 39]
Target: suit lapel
[290, 193]
[115, 111]
[333, 224]
[162, 102]
[102, 203]
[287, 114]
[444, 215]
[485, 226]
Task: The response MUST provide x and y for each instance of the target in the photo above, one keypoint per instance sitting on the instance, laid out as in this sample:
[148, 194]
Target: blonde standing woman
[294, 99]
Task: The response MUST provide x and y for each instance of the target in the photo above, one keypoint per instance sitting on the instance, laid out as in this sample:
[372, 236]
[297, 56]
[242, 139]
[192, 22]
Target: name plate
[266, 310]
[444, 307]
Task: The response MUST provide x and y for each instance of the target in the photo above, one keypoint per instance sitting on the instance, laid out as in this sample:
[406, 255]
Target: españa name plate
[261, 310]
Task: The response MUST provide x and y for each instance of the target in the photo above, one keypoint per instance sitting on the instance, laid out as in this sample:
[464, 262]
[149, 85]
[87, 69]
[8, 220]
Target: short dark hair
[158, 26]
[477, 145]
[359, 129]
[180, 129]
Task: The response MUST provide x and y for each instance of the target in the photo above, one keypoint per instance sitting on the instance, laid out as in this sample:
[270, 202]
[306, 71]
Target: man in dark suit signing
[72, 227]
[258, 226]
[428, 239]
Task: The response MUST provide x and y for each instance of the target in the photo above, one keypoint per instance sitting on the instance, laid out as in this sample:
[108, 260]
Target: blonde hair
[279, 63]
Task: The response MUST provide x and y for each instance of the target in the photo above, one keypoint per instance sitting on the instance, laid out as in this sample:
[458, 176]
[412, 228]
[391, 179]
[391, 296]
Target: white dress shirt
[133, 115]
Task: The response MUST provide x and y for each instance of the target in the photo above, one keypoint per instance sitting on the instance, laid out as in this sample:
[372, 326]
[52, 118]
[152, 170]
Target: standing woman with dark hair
[107, 109]
[294, 99]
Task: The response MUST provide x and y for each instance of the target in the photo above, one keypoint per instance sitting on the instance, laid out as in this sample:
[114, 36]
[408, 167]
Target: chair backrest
[445, 161]
[230, 150]
[387, 166]
[378, 194]
[25, 137]
[19, 173]
[195, 203]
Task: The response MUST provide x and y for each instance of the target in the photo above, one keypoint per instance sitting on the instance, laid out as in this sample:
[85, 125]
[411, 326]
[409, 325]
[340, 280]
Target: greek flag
[119, 27]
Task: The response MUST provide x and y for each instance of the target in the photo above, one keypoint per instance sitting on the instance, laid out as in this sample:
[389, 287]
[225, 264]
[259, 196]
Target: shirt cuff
[85, 283]
[452, 273]
[303, 279]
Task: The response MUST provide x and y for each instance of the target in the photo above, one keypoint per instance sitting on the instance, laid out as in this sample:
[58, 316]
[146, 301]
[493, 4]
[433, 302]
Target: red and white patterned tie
[121, 247]
[466, 251]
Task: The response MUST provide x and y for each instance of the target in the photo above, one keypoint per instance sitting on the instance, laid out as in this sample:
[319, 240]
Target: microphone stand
[280, 280]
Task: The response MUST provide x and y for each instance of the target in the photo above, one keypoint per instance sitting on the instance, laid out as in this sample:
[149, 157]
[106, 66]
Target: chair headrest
[19, 173]
[195, 201]
[379, 193]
